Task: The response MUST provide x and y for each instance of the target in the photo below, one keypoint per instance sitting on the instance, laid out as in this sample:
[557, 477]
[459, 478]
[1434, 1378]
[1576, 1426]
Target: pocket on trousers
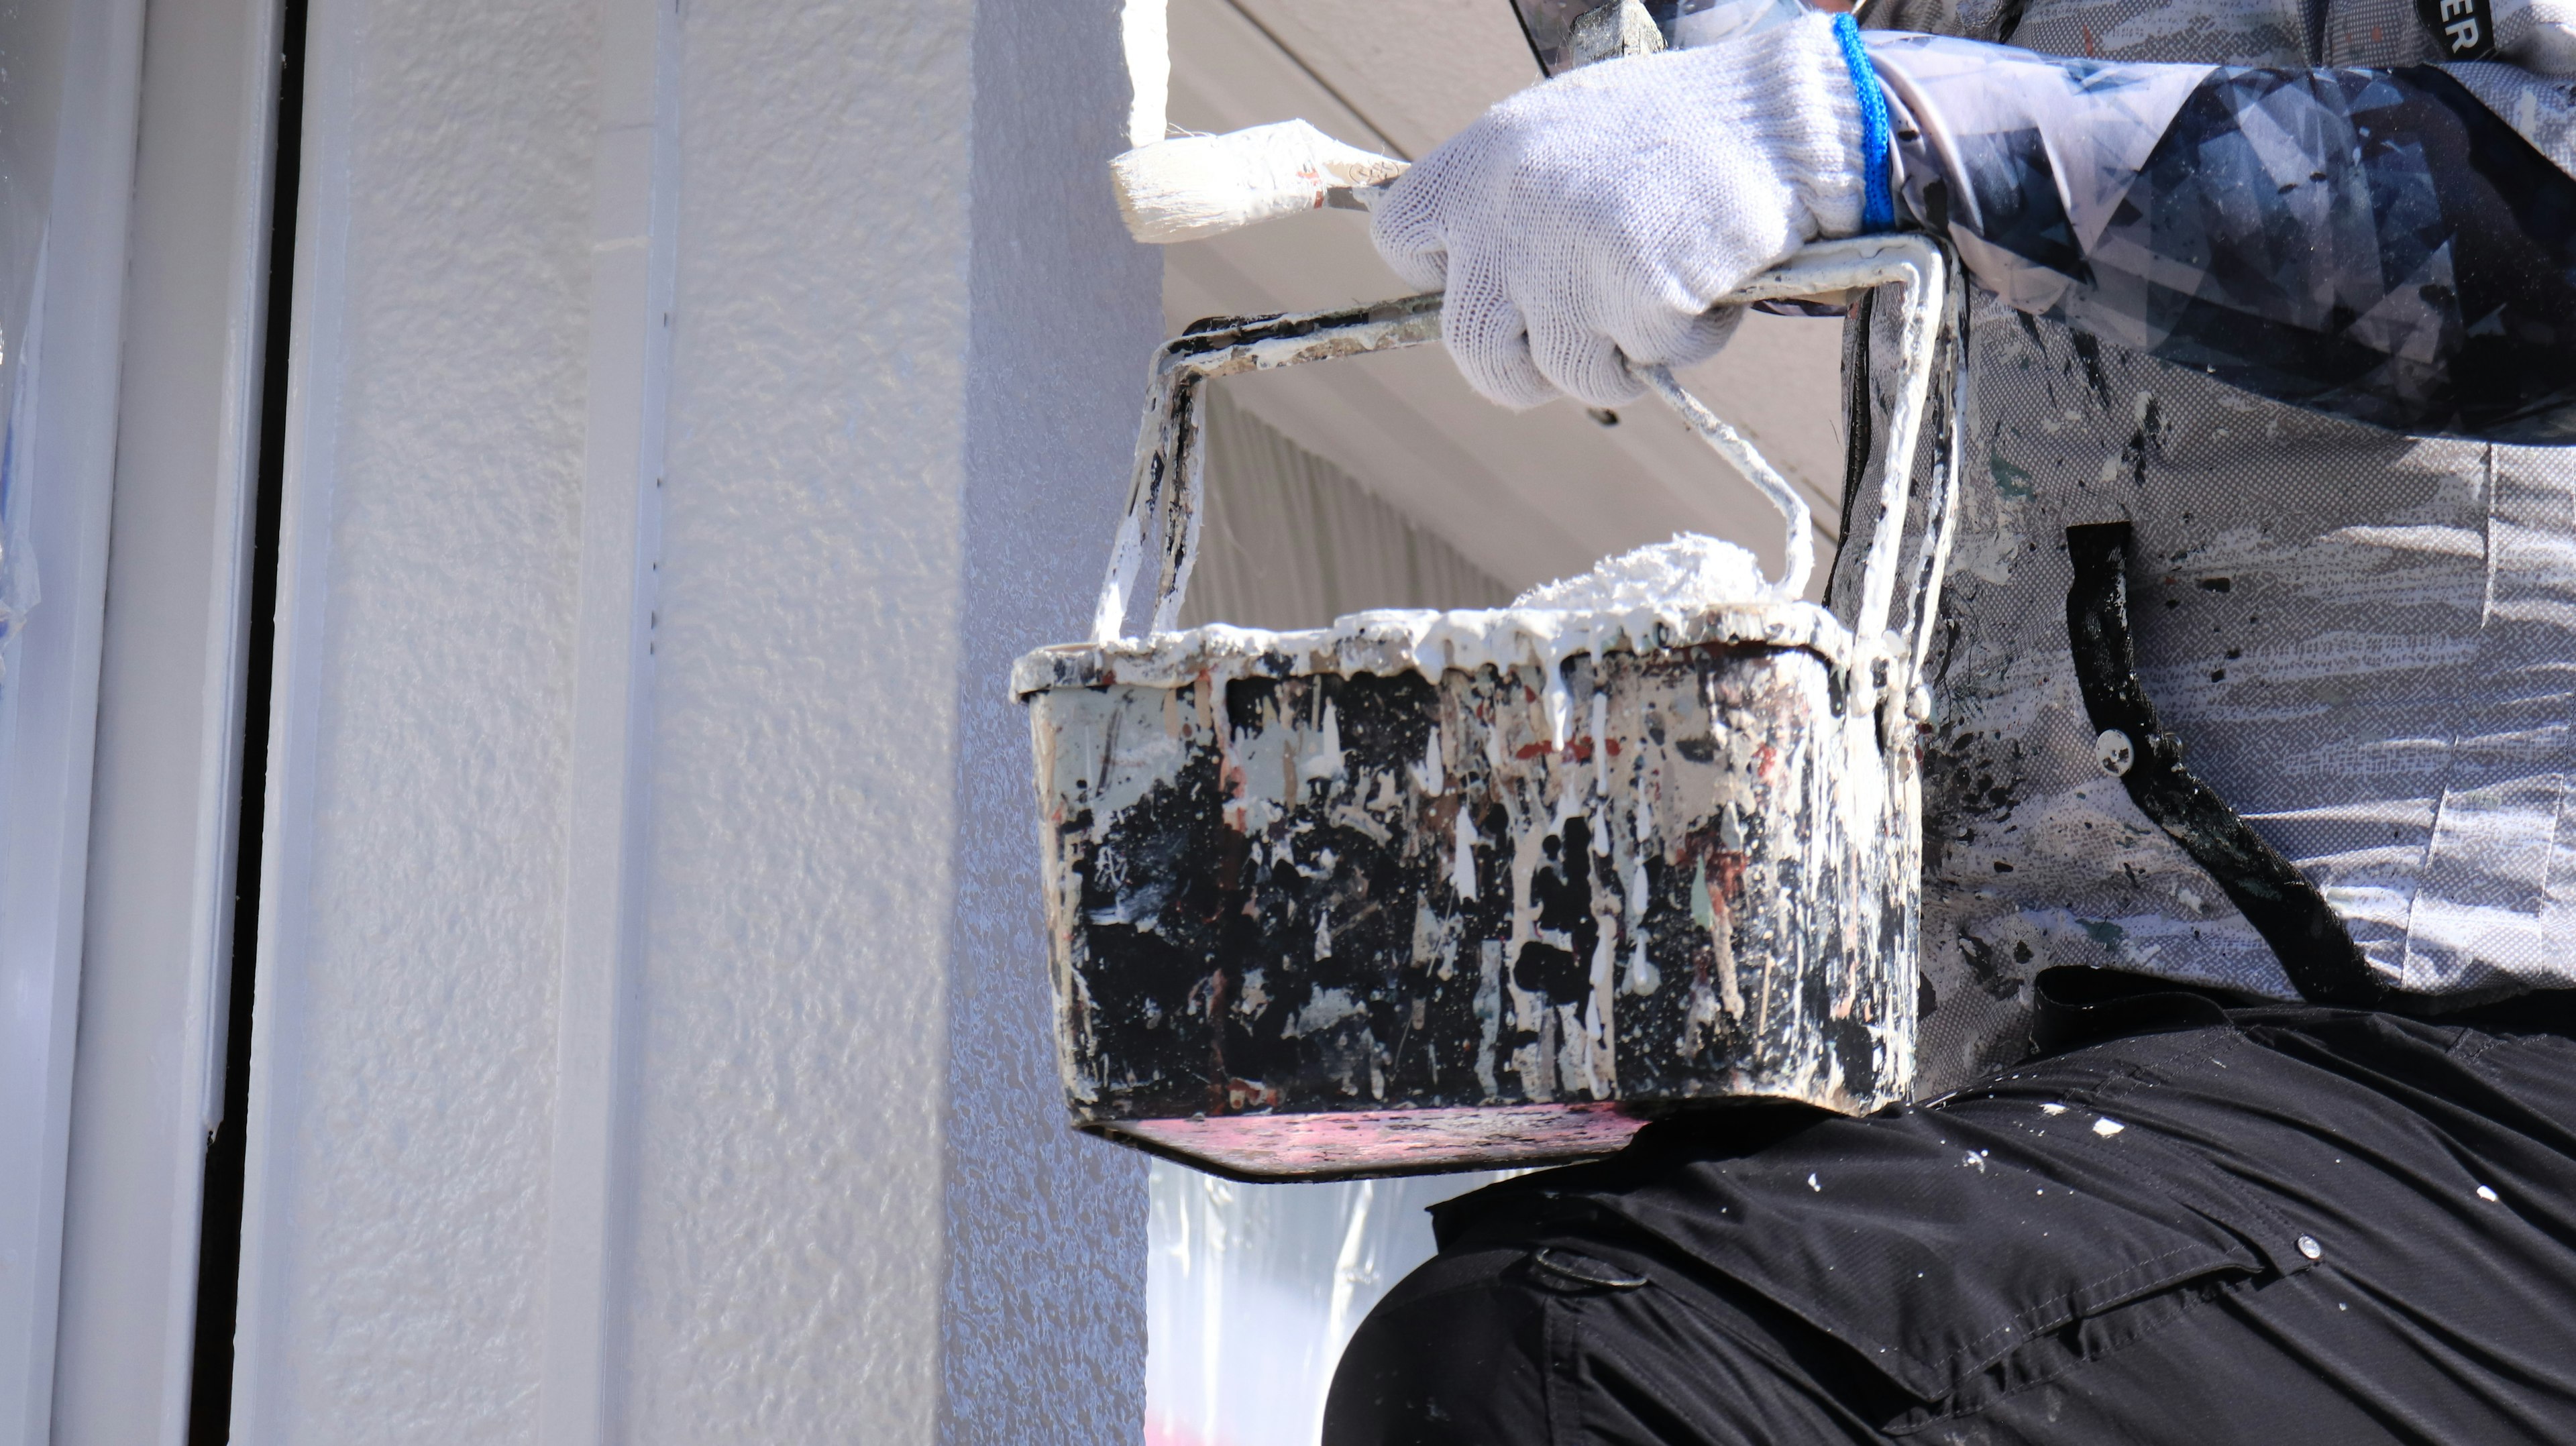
[1967, 1252]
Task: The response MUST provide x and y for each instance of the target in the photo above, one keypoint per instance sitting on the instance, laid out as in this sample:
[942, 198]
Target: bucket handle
[1165, 496]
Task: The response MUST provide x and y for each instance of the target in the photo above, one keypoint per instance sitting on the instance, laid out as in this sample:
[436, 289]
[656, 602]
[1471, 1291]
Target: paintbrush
[1189, 187]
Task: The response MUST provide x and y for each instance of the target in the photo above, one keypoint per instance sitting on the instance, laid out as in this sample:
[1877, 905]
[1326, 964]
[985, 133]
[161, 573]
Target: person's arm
[2372, 243]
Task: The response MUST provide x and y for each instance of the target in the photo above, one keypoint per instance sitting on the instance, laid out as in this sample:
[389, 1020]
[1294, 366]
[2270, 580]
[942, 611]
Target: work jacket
[2311, 333]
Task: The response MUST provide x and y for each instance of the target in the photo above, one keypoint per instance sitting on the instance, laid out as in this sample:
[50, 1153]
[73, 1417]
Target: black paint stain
[2088, 353]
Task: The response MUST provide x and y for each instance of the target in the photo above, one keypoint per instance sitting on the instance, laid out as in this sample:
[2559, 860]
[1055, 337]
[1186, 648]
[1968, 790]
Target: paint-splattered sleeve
[2372, 243]
[1969, 19]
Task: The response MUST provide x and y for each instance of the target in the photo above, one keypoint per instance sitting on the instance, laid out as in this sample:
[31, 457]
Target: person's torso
[2365, 640]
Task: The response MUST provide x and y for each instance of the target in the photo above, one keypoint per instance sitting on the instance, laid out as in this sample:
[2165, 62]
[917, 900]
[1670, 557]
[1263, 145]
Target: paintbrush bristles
[1194, 186]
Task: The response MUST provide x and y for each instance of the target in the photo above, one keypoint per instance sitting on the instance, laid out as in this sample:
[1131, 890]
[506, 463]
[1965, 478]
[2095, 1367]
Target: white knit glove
[1597, 216]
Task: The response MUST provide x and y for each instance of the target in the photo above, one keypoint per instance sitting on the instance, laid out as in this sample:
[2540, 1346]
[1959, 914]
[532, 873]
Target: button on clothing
[2308, 1226]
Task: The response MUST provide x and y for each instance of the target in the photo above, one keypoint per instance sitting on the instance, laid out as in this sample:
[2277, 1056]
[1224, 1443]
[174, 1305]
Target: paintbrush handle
[1359, 198]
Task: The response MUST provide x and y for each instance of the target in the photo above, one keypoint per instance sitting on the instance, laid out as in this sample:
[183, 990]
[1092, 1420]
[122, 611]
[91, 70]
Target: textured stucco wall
[1046, 1311]
[907, 339]
[788, 1248]
[415, 1123]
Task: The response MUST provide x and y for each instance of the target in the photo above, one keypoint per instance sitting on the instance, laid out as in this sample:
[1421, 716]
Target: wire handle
[1166, 493]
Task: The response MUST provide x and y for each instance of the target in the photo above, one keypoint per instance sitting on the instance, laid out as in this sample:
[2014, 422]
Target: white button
[2309, 1247]
[2114, 752]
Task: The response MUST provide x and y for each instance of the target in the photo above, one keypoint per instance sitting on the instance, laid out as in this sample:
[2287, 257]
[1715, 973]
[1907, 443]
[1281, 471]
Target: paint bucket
[1466, 890]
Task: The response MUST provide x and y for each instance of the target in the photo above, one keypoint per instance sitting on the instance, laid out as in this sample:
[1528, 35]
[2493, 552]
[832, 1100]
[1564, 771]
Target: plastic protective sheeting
[1253, 1290]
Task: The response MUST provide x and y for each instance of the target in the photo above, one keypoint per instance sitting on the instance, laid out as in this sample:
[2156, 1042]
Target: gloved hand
[1595, 217]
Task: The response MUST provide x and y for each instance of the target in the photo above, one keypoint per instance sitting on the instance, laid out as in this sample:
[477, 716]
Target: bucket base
[1355, 1144]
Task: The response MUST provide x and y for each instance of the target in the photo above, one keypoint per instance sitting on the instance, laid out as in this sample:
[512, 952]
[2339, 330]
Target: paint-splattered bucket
[1437, 891]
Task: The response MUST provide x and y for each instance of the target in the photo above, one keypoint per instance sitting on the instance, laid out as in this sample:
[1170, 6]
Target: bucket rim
[1426, 642]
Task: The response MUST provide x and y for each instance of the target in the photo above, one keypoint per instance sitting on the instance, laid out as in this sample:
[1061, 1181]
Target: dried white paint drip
[1462, 865]
[1572, 797]
[1489, 1014]
[1691, 572]
[1599, 1014]
[1326, 759]
[1560, 703]
[1430, 777]
[1601, 762]
[1643, 976]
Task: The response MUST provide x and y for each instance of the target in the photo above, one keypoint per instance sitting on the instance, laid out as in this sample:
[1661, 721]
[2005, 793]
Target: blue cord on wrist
[1878, 201]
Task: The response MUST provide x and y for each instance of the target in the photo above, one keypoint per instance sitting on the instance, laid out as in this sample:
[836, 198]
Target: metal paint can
[1447, 891]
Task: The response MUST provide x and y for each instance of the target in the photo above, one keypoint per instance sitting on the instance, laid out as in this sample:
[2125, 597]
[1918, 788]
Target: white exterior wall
[1044, 1294]
[402, 1080]
[651, 1032]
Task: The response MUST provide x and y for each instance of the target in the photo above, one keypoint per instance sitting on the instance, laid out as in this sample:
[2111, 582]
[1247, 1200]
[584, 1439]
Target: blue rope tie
[1878, 201]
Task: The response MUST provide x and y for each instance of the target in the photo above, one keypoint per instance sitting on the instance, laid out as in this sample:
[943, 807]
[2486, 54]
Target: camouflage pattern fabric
[2303, 328]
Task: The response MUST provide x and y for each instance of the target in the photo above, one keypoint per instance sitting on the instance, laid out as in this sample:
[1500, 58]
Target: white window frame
[119, 827]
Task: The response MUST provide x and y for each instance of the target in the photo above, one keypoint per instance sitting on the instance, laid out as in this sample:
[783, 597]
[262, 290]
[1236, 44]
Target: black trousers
[2265, 1225]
